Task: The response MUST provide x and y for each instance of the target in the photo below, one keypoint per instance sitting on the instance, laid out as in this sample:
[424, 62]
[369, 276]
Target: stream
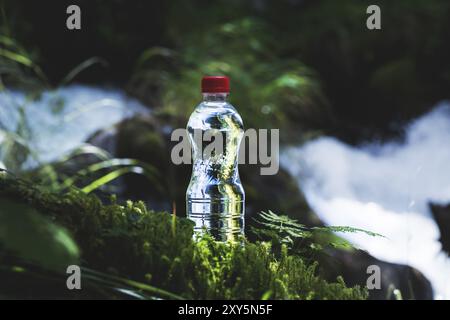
[58, 121]
[384, 188]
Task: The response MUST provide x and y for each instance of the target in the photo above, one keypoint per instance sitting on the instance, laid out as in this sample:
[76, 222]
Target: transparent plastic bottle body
[215, 196]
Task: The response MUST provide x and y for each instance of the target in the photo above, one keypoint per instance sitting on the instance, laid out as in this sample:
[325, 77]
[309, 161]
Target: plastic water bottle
[215, 196]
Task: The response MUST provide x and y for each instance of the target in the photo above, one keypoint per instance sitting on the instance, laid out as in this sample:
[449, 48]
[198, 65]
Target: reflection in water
[386, 189]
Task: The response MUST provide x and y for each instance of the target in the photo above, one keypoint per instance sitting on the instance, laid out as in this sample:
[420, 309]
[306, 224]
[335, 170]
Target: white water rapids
[384, 188]
[59, 121]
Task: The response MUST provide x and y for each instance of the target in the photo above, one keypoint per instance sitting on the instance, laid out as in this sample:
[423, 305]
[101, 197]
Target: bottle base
[223, 219]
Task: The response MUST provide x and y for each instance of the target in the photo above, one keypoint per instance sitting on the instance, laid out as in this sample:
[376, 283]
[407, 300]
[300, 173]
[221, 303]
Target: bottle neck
[215, 97]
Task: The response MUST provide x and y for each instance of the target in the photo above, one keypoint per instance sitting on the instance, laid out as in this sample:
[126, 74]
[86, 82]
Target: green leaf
[32, 237]
[288, 230]
[124, 166]
[81, 67]
[346, 229]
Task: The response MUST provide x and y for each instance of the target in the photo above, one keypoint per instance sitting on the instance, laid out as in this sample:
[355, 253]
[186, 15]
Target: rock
[141, 138]
[441, 214]
[352, 265]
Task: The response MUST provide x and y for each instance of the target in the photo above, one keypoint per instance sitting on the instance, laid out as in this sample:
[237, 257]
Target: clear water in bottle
[215, 196]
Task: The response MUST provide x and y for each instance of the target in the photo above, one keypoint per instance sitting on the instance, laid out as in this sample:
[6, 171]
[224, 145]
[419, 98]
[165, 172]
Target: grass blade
[81, 67]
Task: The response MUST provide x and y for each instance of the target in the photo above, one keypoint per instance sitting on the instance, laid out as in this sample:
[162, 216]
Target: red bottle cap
[215, 84]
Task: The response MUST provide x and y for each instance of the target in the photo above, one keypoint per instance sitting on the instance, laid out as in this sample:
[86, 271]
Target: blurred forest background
[355, 83]
[308, 67]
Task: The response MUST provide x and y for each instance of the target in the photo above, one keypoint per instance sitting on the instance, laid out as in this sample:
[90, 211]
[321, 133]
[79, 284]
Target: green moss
[157, 248]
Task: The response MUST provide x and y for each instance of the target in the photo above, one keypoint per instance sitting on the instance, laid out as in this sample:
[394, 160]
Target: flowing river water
[384, 188]
[58, 121]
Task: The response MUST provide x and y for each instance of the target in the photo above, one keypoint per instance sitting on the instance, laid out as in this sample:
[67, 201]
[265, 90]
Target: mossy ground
[158, 249]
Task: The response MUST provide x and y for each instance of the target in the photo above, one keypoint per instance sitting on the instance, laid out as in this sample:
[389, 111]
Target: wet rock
[143, 139]
[352, 265]
[441, 214]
